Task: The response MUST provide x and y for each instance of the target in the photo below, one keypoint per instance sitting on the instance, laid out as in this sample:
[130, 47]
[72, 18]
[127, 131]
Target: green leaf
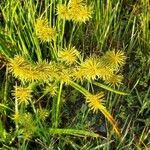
[4, 106]
[81, 133]
[109, 88]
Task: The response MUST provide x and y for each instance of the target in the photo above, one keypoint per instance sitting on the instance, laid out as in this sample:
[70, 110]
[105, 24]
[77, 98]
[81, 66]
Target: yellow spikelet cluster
[114, 59]
[76, 10]
[64, 73]
[95, 101]
[51, 89]
[27, 71]
[68, 55]
[23, 95]
[104, 67]
[92, 68]
[43, 31]
[21, 69]
[28, 125]
[95, 104]
[63, 12]
[42, 113]
[114, 80]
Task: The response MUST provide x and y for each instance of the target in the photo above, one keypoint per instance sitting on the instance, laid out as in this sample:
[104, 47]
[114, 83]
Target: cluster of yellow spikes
[76, 10]
[69, 65]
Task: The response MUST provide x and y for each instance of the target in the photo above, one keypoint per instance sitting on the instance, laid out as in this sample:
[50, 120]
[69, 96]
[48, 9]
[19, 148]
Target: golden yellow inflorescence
[43, 31]
[27, 71]
[114, 59]
[23, 95]
[95, 101]
[76, 11]
[69, 67]
[68, 55]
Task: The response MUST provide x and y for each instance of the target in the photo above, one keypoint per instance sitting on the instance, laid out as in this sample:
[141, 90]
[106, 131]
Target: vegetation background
[50, 55]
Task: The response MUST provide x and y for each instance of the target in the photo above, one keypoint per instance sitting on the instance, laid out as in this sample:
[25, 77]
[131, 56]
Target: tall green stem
[58, 105]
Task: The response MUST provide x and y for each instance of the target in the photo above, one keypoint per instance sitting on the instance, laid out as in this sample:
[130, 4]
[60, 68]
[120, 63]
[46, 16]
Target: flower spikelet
[74, 3]
[22, 69]
[42, 113]
[76, 11]
[63, 12]
[27, 123]
[65, 75]
[95, 101]
[22, 94]
[16, 116]
[43, 31]
[95, 104]
[104, 71]
[81, 13]
[114, 59]
[90, 68]
[45, 71]
[27, 71]
[78, 74]
[68, 55]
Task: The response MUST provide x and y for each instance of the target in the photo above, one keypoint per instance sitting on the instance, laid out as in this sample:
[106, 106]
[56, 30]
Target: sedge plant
[45, 62]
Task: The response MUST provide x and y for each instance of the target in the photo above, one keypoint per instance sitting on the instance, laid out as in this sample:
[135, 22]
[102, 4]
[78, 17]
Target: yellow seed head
[43, 31]
[95, 101]
[22, 69]
[63, 12]
[81, 13]
[51, 89]
[27, 71]
[68, 55]
[76, 3]
[16, 117]
[22, 94]
[76, 11]
[114, 59]
[78, 74]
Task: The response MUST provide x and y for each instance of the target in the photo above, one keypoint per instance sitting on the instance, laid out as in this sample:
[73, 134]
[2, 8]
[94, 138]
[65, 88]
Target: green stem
[58, 105]
[16, 112]
[109, 89]
[62, 33]
[72, 32]
[79, 88]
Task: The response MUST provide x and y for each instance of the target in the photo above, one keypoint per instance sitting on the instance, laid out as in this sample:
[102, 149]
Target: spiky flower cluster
[43, 31]
[95, 101]
[104, 68]
[51, 89]
[27, 71]
[76, 10]
[22, 94]
[114, 80]
[91, 68]
[68, 55]
[114, 59]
